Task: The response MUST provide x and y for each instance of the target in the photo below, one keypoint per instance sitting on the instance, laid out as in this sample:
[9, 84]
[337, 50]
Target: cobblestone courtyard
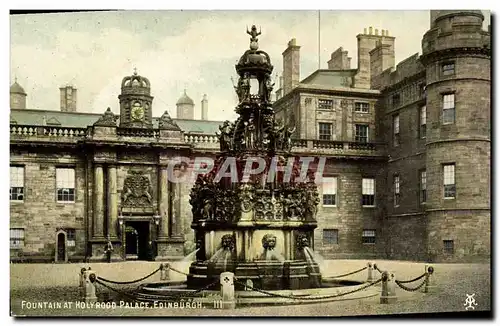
[59, 283]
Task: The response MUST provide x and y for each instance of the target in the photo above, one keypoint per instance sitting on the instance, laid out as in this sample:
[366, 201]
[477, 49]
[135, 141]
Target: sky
[177, 50]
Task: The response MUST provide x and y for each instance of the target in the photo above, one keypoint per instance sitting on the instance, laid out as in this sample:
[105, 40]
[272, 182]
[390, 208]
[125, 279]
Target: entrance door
[61, 247]
[137, 240]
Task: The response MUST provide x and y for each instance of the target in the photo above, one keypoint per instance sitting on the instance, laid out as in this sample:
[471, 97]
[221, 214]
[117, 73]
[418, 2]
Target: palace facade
[407, 151]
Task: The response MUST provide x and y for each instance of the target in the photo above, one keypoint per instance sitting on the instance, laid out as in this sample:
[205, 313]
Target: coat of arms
[136, 190]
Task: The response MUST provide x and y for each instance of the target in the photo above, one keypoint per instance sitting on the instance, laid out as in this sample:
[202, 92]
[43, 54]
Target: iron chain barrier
[400, 284]
[130, 282]
[307, 298]
[351, 273]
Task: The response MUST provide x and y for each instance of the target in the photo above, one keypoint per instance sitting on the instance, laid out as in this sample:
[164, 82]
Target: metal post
[227, 290]
[370, 272]
[429, 280]
[388, 294]
[89, 286]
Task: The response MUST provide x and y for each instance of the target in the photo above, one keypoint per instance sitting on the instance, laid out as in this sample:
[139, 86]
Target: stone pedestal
[388, 294]
[170, 249]
[227, 290]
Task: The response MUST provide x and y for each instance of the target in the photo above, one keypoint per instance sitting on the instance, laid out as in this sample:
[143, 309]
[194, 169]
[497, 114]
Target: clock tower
[135, 102]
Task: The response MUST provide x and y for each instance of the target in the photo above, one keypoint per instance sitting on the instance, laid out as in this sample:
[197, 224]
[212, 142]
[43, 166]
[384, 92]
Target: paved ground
[32, 284]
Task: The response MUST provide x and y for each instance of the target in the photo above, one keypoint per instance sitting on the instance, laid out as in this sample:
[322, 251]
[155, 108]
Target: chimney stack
[68, 98]
[291, 66]
[204, 107]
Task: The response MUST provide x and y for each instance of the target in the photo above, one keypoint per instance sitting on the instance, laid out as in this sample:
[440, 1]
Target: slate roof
[82, 120]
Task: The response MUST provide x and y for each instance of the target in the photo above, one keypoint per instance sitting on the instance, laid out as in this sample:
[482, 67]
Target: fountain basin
[172, 291]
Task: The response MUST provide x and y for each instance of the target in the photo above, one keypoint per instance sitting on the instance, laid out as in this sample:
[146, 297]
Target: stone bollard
[249, 285]
[165, 272]
[388, 294]
[429, 286]
[370, 273]
[227, 290]
[89, 294]
[82, 281]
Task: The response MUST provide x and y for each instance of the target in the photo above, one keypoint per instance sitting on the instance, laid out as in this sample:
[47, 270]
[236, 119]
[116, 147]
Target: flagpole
[319, 39]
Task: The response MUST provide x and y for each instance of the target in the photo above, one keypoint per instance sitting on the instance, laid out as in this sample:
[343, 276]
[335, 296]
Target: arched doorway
[137, 240]
[131, 242]
[61, 252]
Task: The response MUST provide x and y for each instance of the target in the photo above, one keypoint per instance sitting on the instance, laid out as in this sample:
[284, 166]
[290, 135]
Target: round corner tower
[456, 54]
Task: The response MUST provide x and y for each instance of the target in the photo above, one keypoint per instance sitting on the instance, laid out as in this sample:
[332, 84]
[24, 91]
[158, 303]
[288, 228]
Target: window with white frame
[368, 192]
[16, 238]
[329, 191]
[330, 236]
[396, 190]
[449, 181]
[71, 237]
[368, 236]
[65, 184]
[448, 69]
[325, 104]
[362, 107]
[423, 186]
[448, 109]
[395, 127]
[325, 131]
[361, 133]
[17, 183]
[423, 121]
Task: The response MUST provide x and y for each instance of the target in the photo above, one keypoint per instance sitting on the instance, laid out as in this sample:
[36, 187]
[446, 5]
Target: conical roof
[17, 89]
[185, 99]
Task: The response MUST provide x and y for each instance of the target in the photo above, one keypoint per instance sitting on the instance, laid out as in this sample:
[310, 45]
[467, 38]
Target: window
[368, 236]
[448, 246]
[330, 236]
[368, 193]
[361, 107]
[329, 191]
[16, 238]
[423, 121]
[325, 104]
[65, 182]
[448, 109]
[395, 127]
[421, 90]
[396, 190]
[325, 131]
[361, 133]
[71, 237]
[448, 69]
[449, 181]
[396, 100]
[423, 186]
[17, 183]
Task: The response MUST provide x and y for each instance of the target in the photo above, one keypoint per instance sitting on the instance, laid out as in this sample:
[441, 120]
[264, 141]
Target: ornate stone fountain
[258, 226]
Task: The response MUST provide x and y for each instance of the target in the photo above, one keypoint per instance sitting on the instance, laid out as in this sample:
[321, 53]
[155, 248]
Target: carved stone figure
[227, 242]
[302, 241]
[249, 134]
[225, 136]
[166, 122]
[108, 119]
[269, 88]
[136, 190]
[269, 242]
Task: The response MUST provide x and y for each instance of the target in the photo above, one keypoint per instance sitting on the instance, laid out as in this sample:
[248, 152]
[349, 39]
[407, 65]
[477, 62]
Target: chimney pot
[370, 30]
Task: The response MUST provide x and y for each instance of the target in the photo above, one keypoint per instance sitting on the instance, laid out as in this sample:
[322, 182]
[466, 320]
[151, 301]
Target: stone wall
[40, 214]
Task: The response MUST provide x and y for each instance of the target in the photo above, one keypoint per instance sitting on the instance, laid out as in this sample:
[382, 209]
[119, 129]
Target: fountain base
[261, 274]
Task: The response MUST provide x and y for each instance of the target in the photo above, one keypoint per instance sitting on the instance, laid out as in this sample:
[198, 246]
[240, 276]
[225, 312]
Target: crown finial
[135, 71]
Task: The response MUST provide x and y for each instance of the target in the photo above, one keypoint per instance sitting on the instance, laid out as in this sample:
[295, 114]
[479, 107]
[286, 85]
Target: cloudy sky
[177, 50]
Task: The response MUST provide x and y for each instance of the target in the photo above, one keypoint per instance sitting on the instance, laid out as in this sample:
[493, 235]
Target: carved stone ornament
[227, 242]
[108, 119]
[137, 190]
[302, 241]
[166, 122]
[269, 241]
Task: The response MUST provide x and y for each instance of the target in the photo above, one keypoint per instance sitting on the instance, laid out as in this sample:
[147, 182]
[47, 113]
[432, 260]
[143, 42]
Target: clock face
[137, 113]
